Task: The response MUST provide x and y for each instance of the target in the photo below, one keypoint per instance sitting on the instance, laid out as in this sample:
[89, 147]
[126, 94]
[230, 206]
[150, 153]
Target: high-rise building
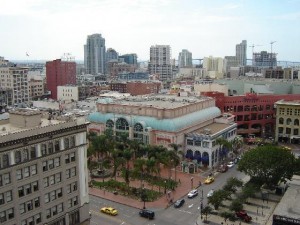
[185, 59]
[264, 59]
[213, 66]
[160, 62]
[111, 54]
[94, 54]
[43, 170]
[59, 73]
[241, 53]
[15, 78]
[129, 58]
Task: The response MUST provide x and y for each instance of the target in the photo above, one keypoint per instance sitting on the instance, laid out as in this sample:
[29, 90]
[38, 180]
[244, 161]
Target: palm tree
[174, 157]
[140, 168]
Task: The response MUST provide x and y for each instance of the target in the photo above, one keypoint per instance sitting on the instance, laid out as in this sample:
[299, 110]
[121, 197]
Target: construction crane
[271, 43]
[252, 46]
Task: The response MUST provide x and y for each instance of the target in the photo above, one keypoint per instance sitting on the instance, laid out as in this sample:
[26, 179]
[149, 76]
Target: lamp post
[192, 179]
[144, 197]
[165, 186]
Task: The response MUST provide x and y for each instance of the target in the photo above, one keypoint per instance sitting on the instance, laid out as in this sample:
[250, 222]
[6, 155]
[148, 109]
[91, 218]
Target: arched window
[138, 127]
[67, 143]
[50, 147]
[56, 146]
[296, 122]
[288, 121]
[109, 124]
[25, 154]
[5, 159]
[122, 124]
[44, 149]
[281, 120]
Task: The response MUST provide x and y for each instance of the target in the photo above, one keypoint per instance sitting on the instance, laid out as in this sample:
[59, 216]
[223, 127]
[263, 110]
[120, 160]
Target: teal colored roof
[105, 100]
[174, 124]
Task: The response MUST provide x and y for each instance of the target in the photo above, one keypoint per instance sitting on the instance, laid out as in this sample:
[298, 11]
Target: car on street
[193, 193]
[210, 193]
[147, 214]
[209, 180]
[179, 203]
[222, 168]
[230, 164]
[109, 210]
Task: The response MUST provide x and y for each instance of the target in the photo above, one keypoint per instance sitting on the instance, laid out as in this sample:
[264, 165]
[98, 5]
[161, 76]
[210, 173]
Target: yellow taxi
[109, 210]
[209, 180]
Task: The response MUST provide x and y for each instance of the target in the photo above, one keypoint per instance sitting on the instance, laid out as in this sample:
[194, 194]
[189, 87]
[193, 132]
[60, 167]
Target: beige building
[36, 88]
[67, 93]
[214, 67]
[43, 169]
[15, 78]
[158, 119]
[287, 121]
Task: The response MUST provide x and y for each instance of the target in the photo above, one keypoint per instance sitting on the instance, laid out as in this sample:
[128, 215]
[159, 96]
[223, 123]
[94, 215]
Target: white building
[67, 93]
[185, 59]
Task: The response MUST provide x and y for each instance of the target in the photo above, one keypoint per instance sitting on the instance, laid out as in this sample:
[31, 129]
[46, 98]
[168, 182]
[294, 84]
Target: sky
[46, 29]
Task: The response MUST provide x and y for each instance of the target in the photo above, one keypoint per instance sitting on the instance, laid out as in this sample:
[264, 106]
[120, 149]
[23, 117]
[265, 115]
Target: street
[187, 214]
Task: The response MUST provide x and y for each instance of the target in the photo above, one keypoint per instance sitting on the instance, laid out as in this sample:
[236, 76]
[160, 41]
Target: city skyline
[45, 29]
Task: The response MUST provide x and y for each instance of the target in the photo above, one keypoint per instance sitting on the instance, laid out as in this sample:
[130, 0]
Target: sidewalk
[187, 182]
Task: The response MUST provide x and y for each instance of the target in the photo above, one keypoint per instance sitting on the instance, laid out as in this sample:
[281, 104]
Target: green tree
[236, 205]
[217, 198]
[206, 211]
[232, 184]
[268, 165]
[248, 191]
[226, 215]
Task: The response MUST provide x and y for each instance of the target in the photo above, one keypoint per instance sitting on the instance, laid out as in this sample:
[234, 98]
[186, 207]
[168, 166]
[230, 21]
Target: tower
[160, 62]
[94, 54]
[241, 53]
[185, 59]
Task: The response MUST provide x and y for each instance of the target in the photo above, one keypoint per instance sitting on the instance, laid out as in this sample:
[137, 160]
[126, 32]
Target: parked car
[109, 210]
[210, 193]
[209, 180]
[193, 193]
[147, 214]
[244, 216]
[230, 164]
[222, 168]
[179, 203]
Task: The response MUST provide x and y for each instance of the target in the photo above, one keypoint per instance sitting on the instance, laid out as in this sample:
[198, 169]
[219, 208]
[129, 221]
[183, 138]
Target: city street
[187, 214]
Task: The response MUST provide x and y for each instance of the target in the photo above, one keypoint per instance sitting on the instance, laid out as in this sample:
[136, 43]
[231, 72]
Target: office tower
[160, 62]
[185, 59]
[94, 54]
[59, 73]
[241, 53]
[111, 54]
[129, 58]
[43, 170]
[213, 66]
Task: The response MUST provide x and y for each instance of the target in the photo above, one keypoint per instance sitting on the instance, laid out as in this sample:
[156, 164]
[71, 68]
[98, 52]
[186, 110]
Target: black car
[147, 214]
[179, 203]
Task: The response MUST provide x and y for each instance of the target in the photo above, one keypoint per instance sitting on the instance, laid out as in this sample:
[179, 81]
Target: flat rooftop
[212, 128]
[160, 101]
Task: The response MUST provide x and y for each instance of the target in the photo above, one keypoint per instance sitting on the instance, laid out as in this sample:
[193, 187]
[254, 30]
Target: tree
[236, 205]
[268, 165]
[217, 198]
[232, 184]
[206, 211]
[248, 191]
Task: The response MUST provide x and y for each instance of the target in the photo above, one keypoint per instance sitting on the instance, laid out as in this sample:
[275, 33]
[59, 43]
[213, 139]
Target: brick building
[137, 87]
[254, 114]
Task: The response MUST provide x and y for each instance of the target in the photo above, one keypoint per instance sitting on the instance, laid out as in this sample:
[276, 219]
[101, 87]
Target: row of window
[5, 197]
[51, 180]
[26, 172]
[51, 196]
[36, 219]
[51, 164]
[289, 111]
[71, 172]
[7, 215]
[54, 210]
[28, 188]
[5, 179]
[253, 108]
[289, 121]
[29, 205]
[26, 154]
[288, 131]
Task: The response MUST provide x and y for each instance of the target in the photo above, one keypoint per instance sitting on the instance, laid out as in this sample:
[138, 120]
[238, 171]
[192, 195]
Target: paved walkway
[187, 181]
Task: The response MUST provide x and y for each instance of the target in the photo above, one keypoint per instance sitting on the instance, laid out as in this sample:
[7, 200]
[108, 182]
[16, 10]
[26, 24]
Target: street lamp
[165, 186]
[192, 178]
[144, 197]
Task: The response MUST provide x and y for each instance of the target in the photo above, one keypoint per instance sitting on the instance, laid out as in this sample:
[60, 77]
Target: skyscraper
[94, 54]
[129, 58]
[59, 73]
[241, 53]
[185, 59]
[160, 62]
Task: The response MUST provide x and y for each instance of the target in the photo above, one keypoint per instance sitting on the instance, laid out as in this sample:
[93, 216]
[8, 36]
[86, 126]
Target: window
[66, 143]
[33, 169]
[72, 141]
[57, 162]
[33, 152]
[17, 156]
[1, 199]
[72, 156]
[8, 196]
[50, 148]
[281, 120]
[10, 213]
[58, 177]
[6, 178]
[205, 144]
[189, 142]
[197, 143]
[19, 174]
[56, 146]
[22, 208]
[25, 154]
[288, 121]
[296, 122]
[5, 159]
[51, 164]
[46, 182]
[26, 172]
[44, 149]
[45, 167]
[35, 186]
[36, 202]
[288, 130]
[47, 198]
